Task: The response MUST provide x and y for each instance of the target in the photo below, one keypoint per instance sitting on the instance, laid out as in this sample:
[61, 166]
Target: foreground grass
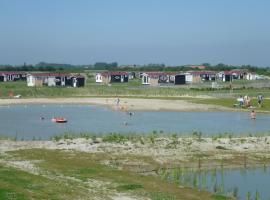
[21, 185]
[73, 175]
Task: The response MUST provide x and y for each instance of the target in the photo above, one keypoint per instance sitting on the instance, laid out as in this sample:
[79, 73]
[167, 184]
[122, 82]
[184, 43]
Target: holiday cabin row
[114, 77]
[55, 79]
[12, 76]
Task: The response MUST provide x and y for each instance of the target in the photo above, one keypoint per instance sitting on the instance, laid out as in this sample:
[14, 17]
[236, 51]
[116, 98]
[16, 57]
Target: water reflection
[239, 183]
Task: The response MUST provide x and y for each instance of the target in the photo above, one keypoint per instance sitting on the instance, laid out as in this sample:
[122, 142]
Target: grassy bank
[230, 102]
[57, 174]
[132, 166]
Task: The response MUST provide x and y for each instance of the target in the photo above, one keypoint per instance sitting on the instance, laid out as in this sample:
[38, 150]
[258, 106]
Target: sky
[174, 32]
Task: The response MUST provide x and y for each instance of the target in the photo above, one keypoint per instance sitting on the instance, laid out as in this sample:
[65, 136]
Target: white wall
[189, 78]
[98, 78]
[145, 79]
[251, 76]
[30, 81]
[51, 81]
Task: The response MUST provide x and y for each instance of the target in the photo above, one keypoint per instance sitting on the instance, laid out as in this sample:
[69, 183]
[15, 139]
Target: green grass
[129, 187]
[229, 102]
[17, 184]
[11, 194]
[162, 196]
[88, 166]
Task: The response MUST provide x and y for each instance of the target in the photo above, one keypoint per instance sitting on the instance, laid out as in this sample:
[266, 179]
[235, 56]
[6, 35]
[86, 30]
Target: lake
[236, 182]
[24, 121]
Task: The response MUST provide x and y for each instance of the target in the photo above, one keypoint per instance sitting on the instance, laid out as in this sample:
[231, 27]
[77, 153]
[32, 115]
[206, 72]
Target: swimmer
[253, 114]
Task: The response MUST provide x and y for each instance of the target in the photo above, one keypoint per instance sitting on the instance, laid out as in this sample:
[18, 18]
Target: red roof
[12, 73]
[78, 76]
[114, 73]
[203, 73]
[237, 72]
[156, 74]
[49, 74]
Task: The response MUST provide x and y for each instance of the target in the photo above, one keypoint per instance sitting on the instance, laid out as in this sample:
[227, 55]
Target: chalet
[227, 76]
[184, 78]
[201, 76]
[180, 79]
[251, 76]
[150, 78]
[55, 79]
[131, 75]
[157, 78]
[112, 77]
[12, 76]
[75, 81]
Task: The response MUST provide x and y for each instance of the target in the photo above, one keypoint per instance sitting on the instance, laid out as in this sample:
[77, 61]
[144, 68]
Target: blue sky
[174, 32]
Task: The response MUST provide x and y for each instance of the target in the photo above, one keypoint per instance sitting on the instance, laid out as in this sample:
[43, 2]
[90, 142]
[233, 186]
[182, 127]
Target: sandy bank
[125, 103]
[165, 150]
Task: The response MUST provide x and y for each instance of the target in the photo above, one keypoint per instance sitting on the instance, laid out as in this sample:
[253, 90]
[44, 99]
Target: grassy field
[57, 174]
[132, 88]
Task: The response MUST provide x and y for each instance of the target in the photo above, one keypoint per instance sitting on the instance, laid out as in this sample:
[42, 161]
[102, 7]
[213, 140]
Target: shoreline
[126, 104]
[166, 152]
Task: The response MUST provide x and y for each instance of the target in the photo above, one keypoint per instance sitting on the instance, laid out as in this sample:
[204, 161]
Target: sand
[164, 150]
[125, 103]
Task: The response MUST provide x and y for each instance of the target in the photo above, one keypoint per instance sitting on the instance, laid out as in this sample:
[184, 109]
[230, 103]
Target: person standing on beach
[117, 101]
[260, 100]
[241, 101]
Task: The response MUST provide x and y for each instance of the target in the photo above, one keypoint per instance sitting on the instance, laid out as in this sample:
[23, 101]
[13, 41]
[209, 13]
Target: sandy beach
[125, 103]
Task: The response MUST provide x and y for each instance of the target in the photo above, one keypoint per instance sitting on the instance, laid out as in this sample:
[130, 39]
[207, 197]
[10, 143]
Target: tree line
[52, 67]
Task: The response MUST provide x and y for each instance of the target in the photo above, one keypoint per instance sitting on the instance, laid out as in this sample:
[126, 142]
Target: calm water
[229, 182]
[24, 121]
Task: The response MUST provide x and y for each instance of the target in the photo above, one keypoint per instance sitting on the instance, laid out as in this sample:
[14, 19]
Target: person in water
[253, 114]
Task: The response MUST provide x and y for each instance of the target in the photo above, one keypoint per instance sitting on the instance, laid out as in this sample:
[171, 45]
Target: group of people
[246, 102]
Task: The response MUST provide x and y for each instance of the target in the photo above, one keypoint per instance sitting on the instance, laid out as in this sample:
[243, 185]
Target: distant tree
[105, 66]
[206, 64]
